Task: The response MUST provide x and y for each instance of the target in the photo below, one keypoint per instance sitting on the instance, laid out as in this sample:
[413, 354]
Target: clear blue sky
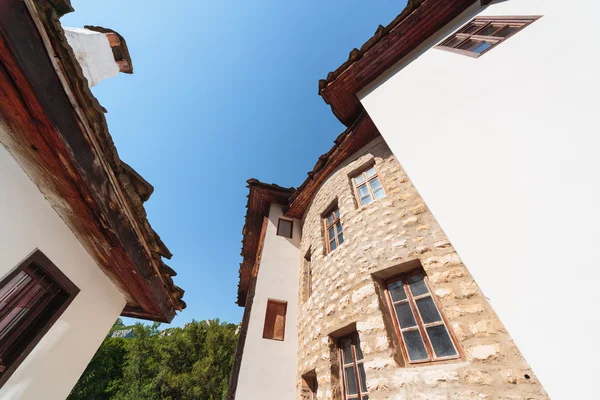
[222, 91]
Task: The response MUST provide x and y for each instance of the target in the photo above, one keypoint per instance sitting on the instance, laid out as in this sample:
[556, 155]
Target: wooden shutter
[275, 320]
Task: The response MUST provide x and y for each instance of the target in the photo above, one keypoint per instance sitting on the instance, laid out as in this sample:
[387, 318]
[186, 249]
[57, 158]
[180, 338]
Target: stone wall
[385, 234]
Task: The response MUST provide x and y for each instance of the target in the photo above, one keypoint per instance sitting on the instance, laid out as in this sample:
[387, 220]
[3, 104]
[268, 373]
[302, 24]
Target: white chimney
[102, 53]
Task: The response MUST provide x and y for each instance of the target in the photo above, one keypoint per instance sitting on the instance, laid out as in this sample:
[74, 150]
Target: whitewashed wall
[504, 150]
[268, 368]
[28, 222]
[92, 50]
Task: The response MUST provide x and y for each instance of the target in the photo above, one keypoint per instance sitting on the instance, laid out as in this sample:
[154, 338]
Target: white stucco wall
[268, 368]
[94, 54]
[27, 223]
[504, 150]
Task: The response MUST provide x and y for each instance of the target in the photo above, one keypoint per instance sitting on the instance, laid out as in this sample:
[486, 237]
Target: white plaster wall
[94, 54]
[268, 368]
[504, 150]
[29, 222]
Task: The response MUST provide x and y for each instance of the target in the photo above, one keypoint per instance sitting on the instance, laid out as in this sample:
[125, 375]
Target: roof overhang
[260, 198]
[415, 24]
[347, 143]
[58, 133]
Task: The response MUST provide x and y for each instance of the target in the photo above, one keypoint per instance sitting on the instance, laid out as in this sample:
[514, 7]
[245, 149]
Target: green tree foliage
[193, 362]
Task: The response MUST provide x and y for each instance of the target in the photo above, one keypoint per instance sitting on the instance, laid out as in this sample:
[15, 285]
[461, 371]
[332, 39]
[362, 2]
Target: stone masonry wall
[386, 233]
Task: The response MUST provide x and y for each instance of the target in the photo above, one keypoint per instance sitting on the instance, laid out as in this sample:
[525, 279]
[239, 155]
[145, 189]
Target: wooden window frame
[520, 22]
[367, 182]
[336, 218]
[421, 326]
[291, 228]
[355, 340]
[265, 333]
[43, 263]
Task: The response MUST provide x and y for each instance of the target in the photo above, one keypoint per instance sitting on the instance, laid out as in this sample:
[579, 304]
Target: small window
[32, 298]
[309, 386]
[353, 369]
[333, 230]
[484, 33]
[285, 228]
[307, 276]
[275, 320]
[367, 186]
[420, 325]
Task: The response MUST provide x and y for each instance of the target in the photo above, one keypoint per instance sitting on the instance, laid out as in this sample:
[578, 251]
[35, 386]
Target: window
[275, 320]
[307, 276]
[309, 386]
[353, 369]
[419, 323]
[32, 297]
[484, 33]
[367, 186]
[333, 229]
[285, 228]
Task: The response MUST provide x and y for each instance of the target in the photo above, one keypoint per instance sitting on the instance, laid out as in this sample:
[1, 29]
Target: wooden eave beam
[418, 26]
[49, 141]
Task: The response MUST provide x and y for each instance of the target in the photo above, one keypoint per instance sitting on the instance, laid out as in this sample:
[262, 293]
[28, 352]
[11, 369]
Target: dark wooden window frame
[355, 340]
[291, 228]
[43, 263]
[265, 332]
[483, 23]
[327, 225]
[421, 327]
[367, 182]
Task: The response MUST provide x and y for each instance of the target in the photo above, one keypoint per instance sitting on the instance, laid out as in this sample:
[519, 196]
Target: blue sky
[222, 91]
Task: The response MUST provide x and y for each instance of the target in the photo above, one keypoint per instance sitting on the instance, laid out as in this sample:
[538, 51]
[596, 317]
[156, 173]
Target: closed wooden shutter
[275, 320]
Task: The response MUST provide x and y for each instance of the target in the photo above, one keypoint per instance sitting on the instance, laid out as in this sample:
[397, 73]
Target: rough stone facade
[385, 234]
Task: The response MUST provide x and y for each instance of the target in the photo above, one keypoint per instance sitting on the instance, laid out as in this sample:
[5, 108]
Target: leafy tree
[193, 362]
[104, 374]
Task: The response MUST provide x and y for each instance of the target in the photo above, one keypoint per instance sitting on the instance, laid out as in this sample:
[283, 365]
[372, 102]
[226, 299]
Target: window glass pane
[351, 387]
[417, 285]
[346, 345]
[453, 42]
[363, 377]
[365, 397]
[363, 191]
[357, 349]
[472, 27]
[341, 238]
[331, 233]
[375, 184]
[397, 291]
[359, 179]
[428, 310]
[365, 200]
[441, 342]
[330, 220]
[338, 227]
[379, 193]
[370, 172]
[507, 31]
[488, 30]
[285, 228]
[406, 319]
[332, 245]
[414, 345]
[337, 212]
[475, 46]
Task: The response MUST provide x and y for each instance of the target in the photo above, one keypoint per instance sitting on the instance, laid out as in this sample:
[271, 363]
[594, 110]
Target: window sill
[363, 207]
[336, 249]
